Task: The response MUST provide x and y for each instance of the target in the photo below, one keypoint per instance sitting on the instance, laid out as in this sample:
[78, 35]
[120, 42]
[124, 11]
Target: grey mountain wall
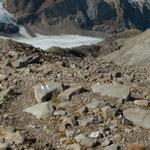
[99, 15]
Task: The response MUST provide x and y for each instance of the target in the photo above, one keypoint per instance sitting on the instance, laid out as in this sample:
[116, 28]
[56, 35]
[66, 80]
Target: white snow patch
[63, 41]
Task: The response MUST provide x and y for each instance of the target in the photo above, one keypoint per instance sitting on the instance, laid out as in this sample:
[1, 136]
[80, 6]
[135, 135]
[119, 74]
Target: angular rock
[2, 77]
[64, 105]
[4, 146]
[95, 135]
[25, 61]
[19, 63]
[67, 94]
[40, 110]
[86, 121]
[14, 138]
[66, 123]
[69, 133]
[5, 93]
[93, 105]
[82, 110]
[112, 147]
[45, 92]
[59, 113]
[139, 117]
[109, 112]
[74, 147]
[105, 108]
[112, 90]
[1, 87]
[106, 142]
[84, 141]
[143, 103]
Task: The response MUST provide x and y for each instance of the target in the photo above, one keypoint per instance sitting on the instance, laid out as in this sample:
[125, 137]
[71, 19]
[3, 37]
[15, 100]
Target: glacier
[63, 41]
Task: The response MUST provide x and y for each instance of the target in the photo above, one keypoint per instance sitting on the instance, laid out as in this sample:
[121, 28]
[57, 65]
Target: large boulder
[45, 92]
[40, 110]
[112, 90]
[67, 94]
[139, 117]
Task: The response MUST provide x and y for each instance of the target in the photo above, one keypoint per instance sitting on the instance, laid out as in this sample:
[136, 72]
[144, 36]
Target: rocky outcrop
[8, 28]
[7, 22]
[137, 13]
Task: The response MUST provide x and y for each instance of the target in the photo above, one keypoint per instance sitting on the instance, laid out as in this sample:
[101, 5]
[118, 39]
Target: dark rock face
[87, 14]
[137, 13]
[8, 28]
[99, 15]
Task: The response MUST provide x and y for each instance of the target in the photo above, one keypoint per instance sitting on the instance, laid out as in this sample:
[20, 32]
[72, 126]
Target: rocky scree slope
[55, 16]
[57, 100]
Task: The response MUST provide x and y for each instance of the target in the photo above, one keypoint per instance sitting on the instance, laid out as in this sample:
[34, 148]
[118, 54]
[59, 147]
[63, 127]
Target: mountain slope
[136, 51]
[67, 15]
[70, 15]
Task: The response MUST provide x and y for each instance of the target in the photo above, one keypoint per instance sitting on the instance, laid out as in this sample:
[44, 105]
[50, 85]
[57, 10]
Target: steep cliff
[137, 13]
[68, 15]
[7, 22]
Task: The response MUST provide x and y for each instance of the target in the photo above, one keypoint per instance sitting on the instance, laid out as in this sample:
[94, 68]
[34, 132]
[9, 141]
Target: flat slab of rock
[112, 90]
[74, 147]
[2, 77]
[93, 105]
[67, 94]
[84, 141]
[5, 93]
[95, 134]
[45, 92]
[19, 63]
[40, 110]
[25, 61]
[4, 146]
[143, 103]
[10, 137]
[86, 121]
[14, 138]
[139, 117]
[112, 147]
